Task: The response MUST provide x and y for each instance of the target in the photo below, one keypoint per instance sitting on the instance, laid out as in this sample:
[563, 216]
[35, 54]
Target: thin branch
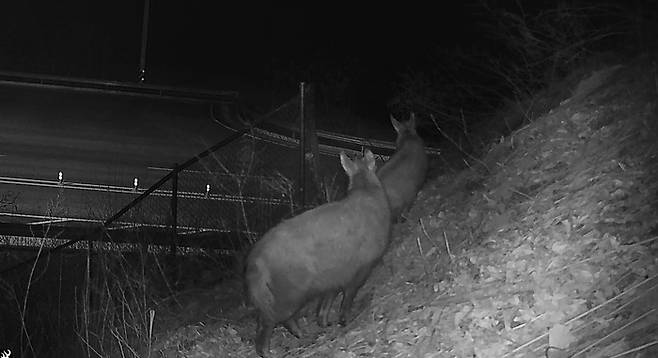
[456, 145]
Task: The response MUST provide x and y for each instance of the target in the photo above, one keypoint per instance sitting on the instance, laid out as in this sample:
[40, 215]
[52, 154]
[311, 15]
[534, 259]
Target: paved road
[95, 139]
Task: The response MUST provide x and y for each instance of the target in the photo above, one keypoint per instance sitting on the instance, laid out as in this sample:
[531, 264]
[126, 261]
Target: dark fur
[325, 250]
[404, 173]
[402, 176]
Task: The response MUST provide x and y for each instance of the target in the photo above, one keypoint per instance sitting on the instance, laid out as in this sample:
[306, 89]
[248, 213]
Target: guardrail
[115, 87]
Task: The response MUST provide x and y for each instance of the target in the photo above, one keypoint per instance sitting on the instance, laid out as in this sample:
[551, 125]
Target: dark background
[260, 48]
[358, 53]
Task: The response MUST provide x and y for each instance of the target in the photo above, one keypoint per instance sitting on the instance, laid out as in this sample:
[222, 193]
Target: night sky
[263, 49]
[251, 46]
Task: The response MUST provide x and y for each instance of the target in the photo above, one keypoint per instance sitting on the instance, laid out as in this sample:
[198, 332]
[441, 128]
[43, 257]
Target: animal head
[360, 171]
[404, 129]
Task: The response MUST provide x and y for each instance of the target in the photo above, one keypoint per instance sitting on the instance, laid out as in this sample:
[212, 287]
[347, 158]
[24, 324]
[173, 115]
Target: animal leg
[265, 328]
[292, 326]
[350, 292]
[324, 307]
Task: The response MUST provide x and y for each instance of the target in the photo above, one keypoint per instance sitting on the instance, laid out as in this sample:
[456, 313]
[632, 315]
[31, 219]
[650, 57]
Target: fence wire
[221, 199]
[224, 200]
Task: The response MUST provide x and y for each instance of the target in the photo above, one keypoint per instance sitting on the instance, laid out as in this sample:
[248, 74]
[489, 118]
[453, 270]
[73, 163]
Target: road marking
[159, 168]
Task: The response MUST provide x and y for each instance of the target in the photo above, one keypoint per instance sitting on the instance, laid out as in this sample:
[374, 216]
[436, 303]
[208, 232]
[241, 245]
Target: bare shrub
[529, 49]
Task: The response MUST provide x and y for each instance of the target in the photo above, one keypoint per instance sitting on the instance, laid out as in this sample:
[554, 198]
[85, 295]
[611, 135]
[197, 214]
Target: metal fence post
[174, 210]
[309, 169]
[315, 180]
[302, 148]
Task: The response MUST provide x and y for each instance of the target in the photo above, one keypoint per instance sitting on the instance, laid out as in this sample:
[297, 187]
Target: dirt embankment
[545, 248]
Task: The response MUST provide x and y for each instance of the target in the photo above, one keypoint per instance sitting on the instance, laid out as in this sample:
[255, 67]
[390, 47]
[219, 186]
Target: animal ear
[347, 163]
[370, 160]
[396, 124]
[411, 124]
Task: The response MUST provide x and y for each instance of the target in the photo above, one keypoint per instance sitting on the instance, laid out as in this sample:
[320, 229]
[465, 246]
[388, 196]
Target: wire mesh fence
[217, 202]
[223, 198]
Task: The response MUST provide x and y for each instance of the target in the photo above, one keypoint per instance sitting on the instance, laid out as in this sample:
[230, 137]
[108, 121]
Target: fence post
[312, 147]
[88, 284]
[174, 211]
[302, 147]
[309, 152]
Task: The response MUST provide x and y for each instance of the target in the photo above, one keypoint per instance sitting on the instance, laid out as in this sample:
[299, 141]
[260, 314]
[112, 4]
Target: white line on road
[159, 168]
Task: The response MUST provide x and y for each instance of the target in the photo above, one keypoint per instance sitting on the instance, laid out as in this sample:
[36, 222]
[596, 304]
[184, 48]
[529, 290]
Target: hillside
[548, 241]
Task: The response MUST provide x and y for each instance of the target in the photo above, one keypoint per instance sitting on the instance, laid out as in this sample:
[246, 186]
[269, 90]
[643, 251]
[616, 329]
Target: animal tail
[259, 281]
